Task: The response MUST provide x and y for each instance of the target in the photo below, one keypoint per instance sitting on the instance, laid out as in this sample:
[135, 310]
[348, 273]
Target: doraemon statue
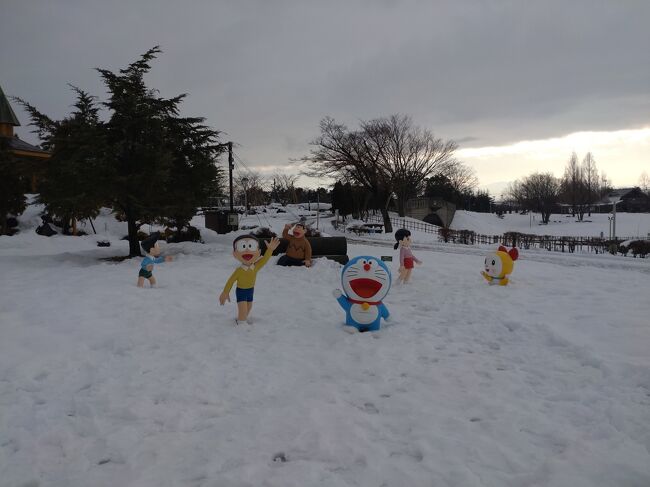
[499, 265]
[366, 281]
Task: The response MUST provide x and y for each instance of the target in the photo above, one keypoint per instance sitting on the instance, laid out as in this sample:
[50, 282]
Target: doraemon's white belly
[362, 316]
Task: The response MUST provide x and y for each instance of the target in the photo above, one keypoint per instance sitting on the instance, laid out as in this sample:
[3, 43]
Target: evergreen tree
[439, 186]
[12, 187]
[75, 172]
[337, 197]
[155, 158]
[194, 174]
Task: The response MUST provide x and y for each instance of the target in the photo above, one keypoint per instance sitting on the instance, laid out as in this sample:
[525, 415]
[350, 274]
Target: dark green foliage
[440, 187]
[342, 198]
[71, 189]
[161, 166]
[12, 186]
[185, 234]
[194, 174]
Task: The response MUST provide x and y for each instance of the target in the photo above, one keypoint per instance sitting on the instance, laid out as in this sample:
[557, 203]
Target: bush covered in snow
[264, 232]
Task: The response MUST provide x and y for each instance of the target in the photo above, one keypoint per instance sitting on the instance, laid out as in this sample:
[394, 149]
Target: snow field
[544, 382]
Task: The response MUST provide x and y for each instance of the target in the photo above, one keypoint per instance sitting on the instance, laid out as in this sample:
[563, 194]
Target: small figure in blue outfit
[150, 246]
[366, 282]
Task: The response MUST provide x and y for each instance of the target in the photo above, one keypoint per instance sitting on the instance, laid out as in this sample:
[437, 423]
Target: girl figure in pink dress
[406, 257]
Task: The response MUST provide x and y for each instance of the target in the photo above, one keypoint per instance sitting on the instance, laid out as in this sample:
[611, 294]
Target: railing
[408, 224]
[511, 239]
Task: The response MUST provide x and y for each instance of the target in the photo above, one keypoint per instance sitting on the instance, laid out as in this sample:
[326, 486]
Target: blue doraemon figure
[366, 281]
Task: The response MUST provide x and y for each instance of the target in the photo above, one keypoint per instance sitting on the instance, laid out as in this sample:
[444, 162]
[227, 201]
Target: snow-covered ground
[545, 382]
[627, 224]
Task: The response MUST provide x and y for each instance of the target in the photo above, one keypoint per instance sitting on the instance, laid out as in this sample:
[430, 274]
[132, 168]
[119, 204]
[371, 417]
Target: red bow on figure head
[513, 252]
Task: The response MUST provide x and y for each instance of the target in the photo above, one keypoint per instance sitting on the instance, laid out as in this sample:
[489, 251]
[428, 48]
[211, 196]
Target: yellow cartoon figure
[499, 265]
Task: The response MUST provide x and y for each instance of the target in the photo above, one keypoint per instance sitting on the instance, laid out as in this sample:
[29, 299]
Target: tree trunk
[388, 227]
[134, 244]
[74, 226]
[65, 225]
[401, 207]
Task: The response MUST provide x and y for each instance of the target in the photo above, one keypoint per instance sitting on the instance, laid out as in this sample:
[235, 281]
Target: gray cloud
[266, 72]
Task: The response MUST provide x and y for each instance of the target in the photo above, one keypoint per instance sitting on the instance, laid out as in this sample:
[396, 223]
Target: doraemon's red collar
[356, 301]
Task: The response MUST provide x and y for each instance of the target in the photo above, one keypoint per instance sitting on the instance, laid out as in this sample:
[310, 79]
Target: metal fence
[511, 239]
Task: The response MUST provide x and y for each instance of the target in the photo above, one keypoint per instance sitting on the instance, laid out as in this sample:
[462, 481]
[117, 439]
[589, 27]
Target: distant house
[30, 158]
[632, 200]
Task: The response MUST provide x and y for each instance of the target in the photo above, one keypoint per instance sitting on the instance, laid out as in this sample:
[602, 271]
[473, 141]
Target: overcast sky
[561, 75]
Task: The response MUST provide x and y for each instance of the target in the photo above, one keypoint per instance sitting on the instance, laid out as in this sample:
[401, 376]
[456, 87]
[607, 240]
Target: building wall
[419, 208]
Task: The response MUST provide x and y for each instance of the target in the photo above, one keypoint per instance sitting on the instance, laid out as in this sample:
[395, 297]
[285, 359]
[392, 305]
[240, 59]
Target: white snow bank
[627, 224]
[545, 382]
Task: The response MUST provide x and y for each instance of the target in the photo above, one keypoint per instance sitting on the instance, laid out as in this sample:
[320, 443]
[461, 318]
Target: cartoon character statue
[299, 248]
[246, 250]
[150, 246]
[499, 265]
[366, 282]
[406, 257]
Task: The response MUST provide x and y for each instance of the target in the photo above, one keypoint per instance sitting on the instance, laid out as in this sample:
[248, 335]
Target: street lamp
[244, 182]
[614, 200]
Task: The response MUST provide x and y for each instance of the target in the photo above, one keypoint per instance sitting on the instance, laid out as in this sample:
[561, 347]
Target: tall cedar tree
[70, 189]
[152, 153]
[12, 185]
[194, 174]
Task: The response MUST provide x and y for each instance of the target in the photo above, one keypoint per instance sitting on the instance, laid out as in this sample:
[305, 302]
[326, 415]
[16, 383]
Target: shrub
[312, 232]
[264, 232]
[186, 234]
[640, 248]
[623, 249]
[466, 237]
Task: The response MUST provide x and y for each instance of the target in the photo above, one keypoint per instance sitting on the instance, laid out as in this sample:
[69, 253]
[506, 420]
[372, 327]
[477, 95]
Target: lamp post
[613, 200]
[244, 182]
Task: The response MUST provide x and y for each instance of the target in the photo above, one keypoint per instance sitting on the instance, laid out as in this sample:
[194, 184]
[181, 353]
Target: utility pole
[231, 166]
[317, 207]
[614, 220]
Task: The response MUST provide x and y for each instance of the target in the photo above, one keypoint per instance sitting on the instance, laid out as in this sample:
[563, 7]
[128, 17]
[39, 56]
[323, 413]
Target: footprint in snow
[370, 408]
[280, 457]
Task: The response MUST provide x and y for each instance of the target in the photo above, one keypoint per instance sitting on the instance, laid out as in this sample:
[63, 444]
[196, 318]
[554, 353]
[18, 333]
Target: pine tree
[194, 174]
[70, 189]
[12, 187]
[138, 163]
[160, 165]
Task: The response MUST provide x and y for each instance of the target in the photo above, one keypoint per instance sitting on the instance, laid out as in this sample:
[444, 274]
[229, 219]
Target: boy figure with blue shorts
[150, 246]
[246, 249]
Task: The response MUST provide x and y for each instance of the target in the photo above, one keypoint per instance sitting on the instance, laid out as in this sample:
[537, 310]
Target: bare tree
[644, 182]
[386, 156]
[574, 189]
[351, 157]
[284, 187]
[462, 178]
[252, 185]
[537, 192]
[410, 154]
[605, 184]
[590, 175]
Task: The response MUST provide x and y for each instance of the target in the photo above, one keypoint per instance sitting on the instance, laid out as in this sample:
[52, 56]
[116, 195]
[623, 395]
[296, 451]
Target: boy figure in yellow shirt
[246, 249]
